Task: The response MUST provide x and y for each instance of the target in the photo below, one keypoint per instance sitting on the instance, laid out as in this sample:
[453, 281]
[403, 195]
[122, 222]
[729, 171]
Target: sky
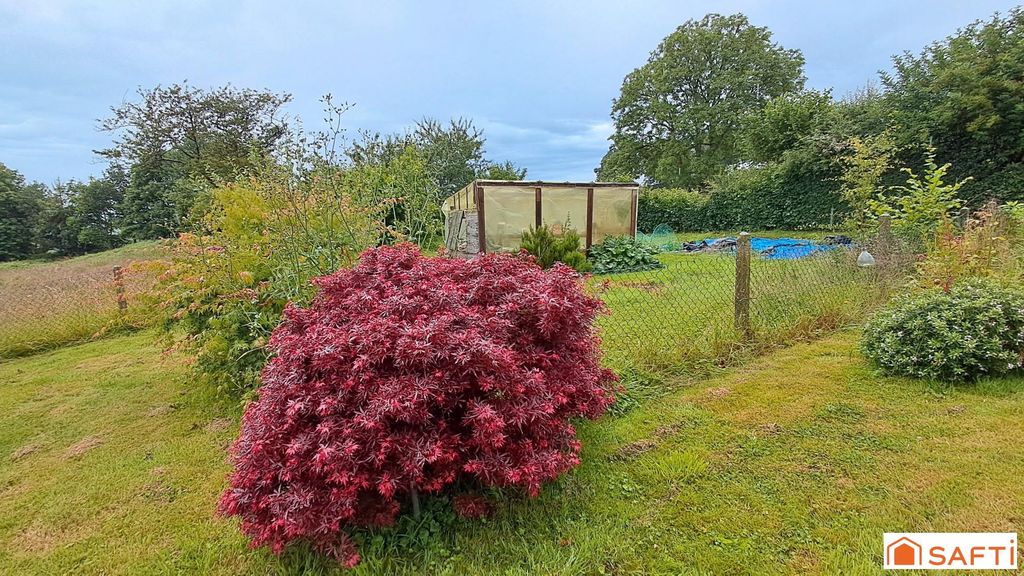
[538, 77]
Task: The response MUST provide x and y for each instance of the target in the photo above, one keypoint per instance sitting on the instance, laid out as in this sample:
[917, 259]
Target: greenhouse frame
[491, 215]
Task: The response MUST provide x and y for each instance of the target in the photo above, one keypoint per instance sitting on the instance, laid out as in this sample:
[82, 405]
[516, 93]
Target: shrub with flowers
[974, 329]
[405, 375]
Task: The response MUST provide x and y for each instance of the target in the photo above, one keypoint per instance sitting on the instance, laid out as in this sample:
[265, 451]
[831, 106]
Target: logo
[950, 550]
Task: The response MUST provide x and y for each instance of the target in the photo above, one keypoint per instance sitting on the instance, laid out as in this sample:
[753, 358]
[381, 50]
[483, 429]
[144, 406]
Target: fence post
[883, 243]
[122, 302]
[741, 302]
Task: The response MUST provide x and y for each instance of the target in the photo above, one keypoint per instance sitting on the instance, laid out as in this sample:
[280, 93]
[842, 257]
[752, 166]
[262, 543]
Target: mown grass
[45, 304]
[110, 462]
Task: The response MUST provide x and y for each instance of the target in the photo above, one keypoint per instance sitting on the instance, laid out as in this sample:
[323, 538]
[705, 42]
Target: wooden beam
[537, 219]
[632, 214]
[545, 184]
[590, 217]
[478, 193]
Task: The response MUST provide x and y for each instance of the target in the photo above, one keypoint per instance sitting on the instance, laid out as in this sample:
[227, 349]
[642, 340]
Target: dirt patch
[718, 392]
[39, 538]
[160, 491]
[668, 430]
[633, 450]
[162, 410]
[24, 451]
[82, 446]
[218, 425]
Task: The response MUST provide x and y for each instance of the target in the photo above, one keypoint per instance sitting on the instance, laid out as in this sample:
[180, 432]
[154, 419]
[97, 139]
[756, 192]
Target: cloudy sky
[537, 76]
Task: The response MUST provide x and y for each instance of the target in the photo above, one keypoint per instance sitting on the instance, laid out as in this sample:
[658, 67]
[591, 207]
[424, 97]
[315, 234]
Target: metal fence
[45, 306]
[702, 306]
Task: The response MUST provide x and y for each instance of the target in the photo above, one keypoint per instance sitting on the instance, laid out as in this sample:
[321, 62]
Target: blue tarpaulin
[782, 248]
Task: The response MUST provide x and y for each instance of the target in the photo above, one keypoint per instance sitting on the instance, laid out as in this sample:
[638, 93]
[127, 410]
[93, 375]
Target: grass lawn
[794, 463]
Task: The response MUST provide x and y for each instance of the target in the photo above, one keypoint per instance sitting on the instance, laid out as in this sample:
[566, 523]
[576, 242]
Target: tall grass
[48, 304]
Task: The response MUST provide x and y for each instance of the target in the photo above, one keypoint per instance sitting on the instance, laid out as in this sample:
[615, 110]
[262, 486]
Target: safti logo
[950, 550]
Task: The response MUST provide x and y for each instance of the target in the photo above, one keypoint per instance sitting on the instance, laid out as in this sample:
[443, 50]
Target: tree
[964, 95]
[56, 232]
[20, 204]
[453, 154]
[97, 210]
[679, 117]
[869, 159]
[410, 375]
[179, 135]
[208, 134]
[504, 171]
[785, 123]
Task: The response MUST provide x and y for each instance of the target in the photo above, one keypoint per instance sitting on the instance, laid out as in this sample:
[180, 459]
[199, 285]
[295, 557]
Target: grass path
[795, 463]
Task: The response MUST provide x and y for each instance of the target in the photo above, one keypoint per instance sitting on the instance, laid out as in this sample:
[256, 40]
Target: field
[47, 304]
[795, 463]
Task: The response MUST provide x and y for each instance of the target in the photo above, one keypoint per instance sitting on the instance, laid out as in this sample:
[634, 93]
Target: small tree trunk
[415, 500]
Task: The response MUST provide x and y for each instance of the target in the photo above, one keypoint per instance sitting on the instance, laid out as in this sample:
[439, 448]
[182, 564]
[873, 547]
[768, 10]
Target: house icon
[903, 552]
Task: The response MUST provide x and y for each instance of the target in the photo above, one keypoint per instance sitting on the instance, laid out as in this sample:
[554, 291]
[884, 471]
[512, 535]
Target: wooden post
[741, 317]
[884, 241]
[478, 193]
[122, 301]
[538, 217]
[590, 218]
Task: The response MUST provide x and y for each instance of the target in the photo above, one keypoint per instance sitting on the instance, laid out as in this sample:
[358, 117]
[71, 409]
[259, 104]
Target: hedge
[761, 198]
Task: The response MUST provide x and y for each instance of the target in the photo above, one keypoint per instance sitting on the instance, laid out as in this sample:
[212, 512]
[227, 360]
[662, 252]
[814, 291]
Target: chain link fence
[705, 304]
[43, 306]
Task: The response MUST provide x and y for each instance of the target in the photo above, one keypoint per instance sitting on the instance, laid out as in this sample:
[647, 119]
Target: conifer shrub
[405, 375]
[548, 247]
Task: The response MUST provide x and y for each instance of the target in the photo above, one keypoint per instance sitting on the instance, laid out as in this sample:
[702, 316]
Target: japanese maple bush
[409, 373]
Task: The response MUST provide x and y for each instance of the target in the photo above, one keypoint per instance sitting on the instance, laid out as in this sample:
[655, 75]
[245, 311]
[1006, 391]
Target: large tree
[453, 153]
[679, 117]
[965, 95]
[206, 134]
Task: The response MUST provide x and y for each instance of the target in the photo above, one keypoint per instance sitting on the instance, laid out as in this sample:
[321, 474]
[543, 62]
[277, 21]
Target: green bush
[976, 329]
[264, 239]
[677, 208]
[549, 248]
[622, 254]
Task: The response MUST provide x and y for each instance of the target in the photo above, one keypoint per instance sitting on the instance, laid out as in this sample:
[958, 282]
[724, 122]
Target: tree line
[173, 145]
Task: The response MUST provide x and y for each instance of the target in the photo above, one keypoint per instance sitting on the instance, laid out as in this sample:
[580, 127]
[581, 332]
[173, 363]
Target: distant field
[44, 304]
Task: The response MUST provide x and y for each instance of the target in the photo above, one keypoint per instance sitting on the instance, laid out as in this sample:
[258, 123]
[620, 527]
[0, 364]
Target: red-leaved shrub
[471, 506]
[409, 372]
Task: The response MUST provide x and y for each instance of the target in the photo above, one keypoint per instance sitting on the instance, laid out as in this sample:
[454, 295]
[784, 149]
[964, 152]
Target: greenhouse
[491, 215]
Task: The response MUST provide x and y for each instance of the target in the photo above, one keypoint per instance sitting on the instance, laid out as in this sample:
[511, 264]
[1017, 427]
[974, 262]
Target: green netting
[662, 237]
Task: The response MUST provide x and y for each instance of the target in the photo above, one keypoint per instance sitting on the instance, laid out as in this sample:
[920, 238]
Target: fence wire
[690, 310]
[42, 306]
